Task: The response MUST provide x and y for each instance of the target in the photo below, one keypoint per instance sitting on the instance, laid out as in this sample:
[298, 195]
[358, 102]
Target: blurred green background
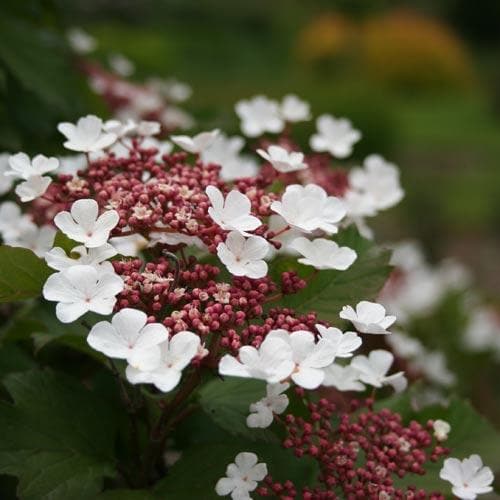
[421, 79]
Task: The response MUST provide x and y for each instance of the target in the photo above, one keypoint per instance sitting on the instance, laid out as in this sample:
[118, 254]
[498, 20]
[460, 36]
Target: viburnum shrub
[232, 297]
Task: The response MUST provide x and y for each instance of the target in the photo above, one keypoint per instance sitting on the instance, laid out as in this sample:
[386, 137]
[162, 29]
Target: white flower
[310, 357]
[119, 128]
[172, 89]
[80, 41]
[173, 117]
[79, 289]
[271, 362]
[323, 254]
[84, 225]
[309, 208]
[95, 257]
[345, 343]
[274, 402]
[335, 135]
[282, 160]
[259, 115]
[441, 429]
[195, 144]
[277, 224]
[242, 477]
[129, 337]
[225, 151]
[22, 166]
[369, 317]
[129, 246]
[163, 147]
[70, 165]
[37, 239]
[148, 128]
[433, 366]
[379, 180]
[12, 222]
[174, 239]
[176, 353]
[87, 135]
[294, 109]
[5, 181]
[405, 346]
[468, 477]
[121, 65]
[244, 256]
[373, 369]
[232, 213]
[32, 188]
[343, 378]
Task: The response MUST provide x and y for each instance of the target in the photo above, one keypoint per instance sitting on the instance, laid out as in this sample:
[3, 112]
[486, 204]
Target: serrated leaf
[22, 274]
[328, 291]
[227, 401]
[57, 437]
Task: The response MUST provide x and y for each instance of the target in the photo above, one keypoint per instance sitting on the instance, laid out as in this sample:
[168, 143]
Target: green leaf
[62, 241]
[199, 468]
[227, 401]
[37, 59]
[14, 359]
[22, 274]
[328, 291]
[57, 437]
[126, 495]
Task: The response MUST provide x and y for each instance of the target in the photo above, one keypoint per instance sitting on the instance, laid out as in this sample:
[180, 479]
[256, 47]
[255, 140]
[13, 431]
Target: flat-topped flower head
[379, 180]
[176, 353]
[259, 115]
[225, 151]
[345, 343]
[343, 378]
[85, 225]
[335, 136]
[294, 109]
[282, 160]
[23, 167]
[469, 477]
[244, 256]
[87, 135]
[96, 257]
[369, 317]
[310, 357]
[374, 367]
[196, 144]
[275, 402]
[323, 254]
[272, 361]
[80, 289]
[309, 208]
[129, 336]
[33, 188]
[233, 212]
[242, 477]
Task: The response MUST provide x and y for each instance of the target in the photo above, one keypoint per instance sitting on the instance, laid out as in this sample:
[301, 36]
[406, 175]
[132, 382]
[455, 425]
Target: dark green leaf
[328, 291]
[227, 402]
[126, 495]
[57, 437]
[22, 274]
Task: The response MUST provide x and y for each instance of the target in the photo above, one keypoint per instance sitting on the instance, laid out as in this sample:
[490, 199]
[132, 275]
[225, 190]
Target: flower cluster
[178, 242]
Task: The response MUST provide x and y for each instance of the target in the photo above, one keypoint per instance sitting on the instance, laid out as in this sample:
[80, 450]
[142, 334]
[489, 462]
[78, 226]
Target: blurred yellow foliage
[400, 48]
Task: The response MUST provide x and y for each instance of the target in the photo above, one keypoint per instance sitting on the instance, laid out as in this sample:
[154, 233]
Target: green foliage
[199, 468]
[328, 291]
[227, 401]
[57, 437]
[22, 274]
